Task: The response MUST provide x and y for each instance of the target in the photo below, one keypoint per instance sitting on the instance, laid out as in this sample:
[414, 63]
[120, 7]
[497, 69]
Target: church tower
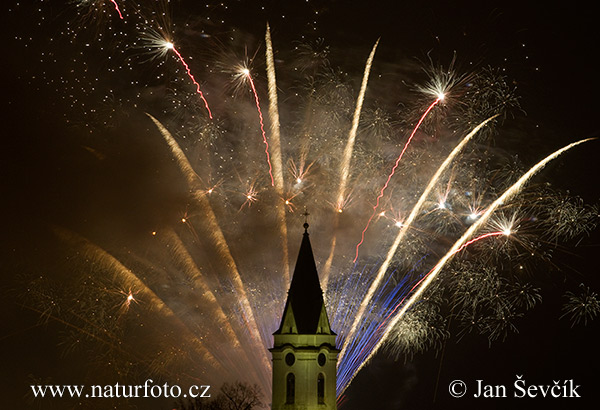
[304, 352]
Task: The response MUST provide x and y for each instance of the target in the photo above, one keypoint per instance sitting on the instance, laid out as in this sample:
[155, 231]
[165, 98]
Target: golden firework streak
[405, 226]
[276, 151]
[130, 280]
[507, 195]
[192, 270]
[216, 234]
[194, 273]
[347, 159]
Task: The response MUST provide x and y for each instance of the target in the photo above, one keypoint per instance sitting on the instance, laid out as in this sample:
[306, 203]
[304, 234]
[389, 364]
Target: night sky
[81, 156]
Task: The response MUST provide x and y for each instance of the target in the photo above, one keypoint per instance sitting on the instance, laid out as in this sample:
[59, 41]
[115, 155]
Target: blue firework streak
[373, 321]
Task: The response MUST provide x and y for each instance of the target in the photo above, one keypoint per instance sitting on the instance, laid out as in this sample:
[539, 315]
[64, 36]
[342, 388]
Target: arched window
[321, 388]
[290, 388]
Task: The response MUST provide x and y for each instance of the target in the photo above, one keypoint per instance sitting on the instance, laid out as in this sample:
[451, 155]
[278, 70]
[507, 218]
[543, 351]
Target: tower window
[290, 359]
[321, 388]
[290, 388]
[321, 359]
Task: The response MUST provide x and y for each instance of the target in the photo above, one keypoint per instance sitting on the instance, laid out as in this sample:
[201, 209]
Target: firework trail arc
[460, 243]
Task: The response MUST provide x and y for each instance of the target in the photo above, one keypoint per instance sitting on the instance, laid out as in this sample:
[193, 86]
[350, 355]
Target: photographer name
[520, 389]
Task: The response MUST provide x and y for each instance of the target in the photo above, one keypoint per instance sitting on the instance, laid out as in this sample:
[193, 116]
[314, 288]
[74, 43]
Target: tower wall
[306, 369]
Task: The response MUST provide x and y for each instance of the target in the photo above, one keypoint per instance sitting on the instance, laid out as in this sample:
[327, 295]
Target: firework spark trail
[246, 73]
[274, 114]
[186, 168]
[116, 346]
[349, 149]
[329, 260]
[304, 138]
[347, 157]
[131, 280]
[276, 149]
[412, 134]
[406, 225]
[463, 246]
[171, 46]
[339, 290]
[117, 8]
[369, 329]
[193, 271]
[373, 336]
[218, 238]
[351, 290]
[507, 195]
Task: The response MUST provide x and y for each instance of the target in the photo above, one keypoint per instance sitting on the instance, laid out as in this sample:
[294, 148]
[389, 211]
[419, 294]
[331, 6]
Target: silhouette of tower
[304, 352]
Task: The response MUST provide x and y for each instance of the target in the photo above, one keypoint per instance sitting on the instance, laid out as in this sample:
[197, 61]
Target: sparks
[365, 301]
[387, 182]
[299, 172]
[251, 196]
[407, 223]
[246, 73]
[275, 134]
[117, 8]
[463, 242]
[347, 155]
[473, 216]
[170, 46]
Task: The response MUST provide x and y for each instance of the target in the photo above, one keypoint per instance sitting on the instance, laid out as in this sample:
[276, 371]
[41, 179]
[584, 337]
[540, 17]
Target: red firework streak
[189, 73]
[117, 8]
[412, 134]
[262, 125]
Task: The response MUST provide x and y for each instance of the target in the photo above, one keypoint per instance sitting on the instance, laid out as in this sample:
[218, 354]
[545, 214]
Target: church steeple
[304, 352]
[304, 311]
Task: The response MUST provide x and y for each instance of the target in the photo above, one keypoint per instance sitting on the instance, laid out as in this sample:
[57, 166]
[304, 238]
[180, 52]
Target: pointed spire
[305, 309]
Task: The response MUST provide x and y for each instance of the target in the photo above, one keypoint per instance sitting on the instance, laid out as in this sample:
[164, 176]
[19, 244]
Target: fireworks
[387, 182]
[440, 225]
[581, 307]
[160, 45]
[170, 46]
[117, 9]
[404, 226]
[246, 73]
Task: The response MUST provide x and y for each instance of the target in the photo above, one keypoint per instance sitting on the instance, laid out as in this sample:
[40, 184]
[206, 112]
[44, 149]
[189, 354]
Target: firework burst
[582, 306]
[444, 223]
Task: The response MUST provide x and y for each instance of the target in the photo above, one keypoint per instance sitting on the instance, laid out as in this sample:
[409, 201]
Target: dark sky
[79, 153]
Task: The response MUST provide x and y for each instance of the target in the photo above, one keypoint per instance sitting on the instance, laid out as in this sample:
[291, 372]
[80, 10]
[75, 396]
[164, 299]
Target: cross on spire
[306, 214]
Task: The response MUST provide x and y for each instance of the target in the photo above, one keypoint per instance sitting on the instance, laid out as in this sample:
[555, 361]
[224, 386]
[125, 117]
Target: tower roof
[304, 311]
